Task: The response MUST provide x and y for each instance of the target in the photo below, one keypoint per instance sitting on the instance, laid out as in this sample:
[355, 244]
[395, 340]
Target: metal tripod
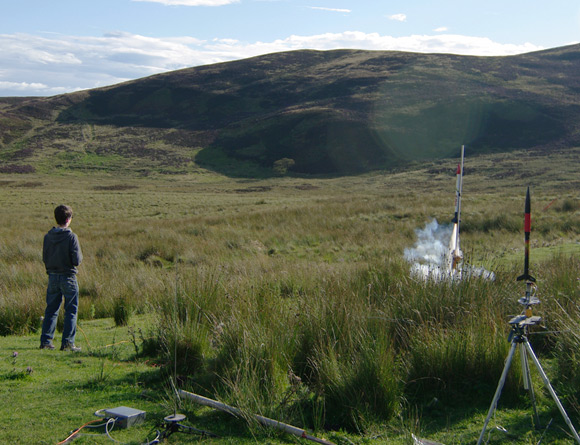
[173, 425]
[519, 336]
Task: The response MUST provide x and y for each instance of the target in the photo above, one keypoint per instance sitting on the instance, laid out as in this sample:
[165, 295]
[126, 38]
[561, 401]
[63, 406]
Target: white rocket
[455, 255]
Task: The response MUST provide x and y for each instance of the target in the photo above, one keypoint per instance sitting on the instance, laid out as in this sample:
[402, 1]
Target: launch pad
[173, 425]
[519, 337]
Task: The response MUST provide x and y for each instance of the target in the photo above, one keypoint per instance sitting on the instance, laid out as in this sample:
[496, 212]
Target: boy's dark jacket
[61, 251]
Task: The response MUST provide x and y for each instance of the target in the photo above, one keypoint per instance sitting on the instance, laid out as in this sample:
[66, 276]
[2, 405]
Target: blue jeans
[60, 286]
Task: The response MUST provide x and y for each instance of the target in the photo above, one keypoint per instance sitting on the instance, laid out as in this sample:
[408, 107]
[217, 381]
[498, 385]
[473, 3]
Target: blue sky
[59, 46]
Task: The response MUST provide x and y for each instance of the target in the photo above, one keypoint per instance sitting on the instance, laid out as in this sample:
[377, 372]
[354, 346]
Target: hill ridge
[339, 112]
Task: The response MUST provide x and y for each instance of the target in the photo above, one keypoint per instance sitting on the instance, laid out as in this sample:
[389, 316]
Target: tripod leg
[525, 369]
[552, 392]
[528, 383]
[498, 390]
[190, 429]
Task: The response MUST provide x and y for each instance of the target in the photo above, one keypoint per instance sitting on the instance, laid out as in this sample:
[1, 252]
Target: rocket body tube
[458, 189]
[457, 195]
[454, 255]
[527, 229]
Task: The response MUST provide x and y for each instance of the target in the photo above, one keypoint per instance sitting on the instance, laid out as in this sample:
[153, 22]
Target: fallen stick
[261, 419]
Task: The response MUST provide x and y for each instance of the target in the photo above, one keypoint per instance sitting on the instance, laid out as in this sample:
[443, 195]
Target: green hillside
[331, 112]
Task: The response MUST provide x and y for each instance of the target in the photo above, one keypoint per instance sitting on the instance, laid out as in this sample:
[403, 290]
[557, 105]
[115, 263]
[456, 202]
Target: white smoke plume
[428, 256]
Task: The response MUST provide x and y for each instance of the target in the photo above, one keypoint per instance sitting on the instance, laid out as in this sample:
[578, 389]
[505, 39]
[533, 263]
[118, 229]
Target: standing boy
[61, 253]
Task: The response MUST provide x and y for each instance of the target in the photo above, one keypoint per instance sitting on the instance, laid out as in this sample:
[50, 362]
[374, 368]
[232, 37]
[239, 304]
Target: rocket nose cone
[528, 205]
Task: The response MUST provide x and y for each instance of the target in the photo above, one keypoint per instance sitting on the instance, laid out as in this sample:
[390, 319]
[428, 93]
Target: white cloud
[320, 8]
[33, 89]
[56, 64]
[22, 86]
[191, 2]
[398, 17]
[441, 29]
[446, 43]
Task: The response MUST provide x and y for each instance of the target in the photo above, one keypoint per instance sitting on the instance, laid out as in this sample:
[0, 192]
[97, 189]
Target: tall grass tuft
[458, 365]
[121, 312]
[21, 312]
[567, 353]
[19, 318]
[563, 318]
[359, 388]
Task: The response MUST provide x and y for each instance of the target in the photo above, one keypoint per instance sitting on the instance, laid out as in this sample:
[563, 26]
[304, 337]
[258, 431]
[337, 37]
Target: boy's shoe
[70, 347]
[47, 346]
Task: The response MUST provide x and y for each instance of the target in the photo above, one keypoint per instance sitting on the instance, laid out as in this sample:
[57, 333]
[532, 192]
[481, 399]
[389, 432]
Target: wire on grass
[85, 335]
[75, 432]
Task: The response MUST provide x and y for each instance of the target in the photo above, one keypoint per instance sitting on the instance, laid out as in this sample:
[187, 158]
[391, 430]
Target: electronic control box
[126, 417]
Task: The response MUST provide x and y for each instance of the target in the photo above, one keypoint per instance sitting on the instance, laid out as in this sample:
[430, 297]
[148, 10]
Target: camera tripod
[519, 337]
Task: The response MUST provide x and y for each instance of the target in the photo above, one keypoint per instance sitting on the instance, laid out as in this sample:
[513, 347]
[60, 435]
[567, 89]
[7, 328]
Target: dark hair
[62, 213]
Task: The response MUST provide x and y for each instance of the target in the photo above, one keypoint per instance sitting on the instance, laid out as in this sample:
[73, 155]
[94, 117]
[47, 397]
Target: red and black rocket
[527, 229]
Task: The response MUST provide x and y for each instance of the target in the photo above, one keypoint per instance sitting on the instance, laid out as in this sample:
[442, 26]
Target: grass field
[291, 298]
